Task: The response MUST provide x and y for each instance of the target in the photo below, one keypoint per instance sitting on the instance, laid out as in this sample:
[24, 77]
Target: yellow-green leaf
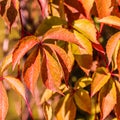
[6, 62]
[82, 99]
[87, 28]
[100, 78]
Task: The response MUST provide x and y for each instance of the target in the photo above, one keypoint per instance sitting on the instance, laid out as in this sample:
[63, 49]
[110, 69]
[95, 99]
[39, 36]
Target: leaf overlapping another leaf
[100, 78]
[107, 99]
[32, 69]
[23, 46]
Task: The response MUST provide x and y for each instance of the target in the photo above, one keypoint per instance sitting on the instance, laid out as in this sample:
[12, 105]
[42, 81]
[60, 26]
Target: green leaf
[82, 99]
[48, 23]
[16, 85]
[50, 77]
[111, 20]
[62, 34]
[32, 69]
[107, 99]
[3, 102]
[100, 78]
[66, 109]
[111, 45]
[86, 28]
[23, 46]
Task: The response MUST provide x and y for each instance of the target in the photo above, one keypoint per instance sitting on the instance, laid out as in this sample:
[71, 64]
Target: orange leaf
[66, 109]
[87, 4]
[100, 78]
[23, 46]
[107, 99]
[32, 69]
[63, 59]
[118, 62]
[17, 85]
[117, 106]
[82, 99]
[63, 34]
[50, 72]
[104, 7]
[111, 20]
[111, 45]
[3, 102]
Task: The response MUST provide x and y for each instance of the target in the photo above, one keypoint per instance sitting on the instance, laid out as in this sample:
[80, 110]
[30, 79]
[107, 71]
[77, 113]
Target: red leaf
[111, 45]
[61, 34]
[50, 72]
[32, 69]
[107, 99]
[87, 4]
[23, 46]
[63, 59]
[99, 48]
[3, 102]
[44, 7]
[104, 7]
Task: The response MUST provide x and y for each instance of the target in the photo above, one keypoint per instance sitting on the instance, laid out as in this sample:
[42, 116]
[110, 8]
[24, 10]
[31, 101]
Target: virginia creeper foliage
[73, 52]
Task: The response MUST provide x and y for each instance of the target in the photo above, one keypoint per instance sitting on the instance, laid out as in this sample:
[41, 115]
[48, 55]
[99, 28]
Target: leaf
[23, 46]
[87, 4]
[118, 62]
[3, 6]
[66, 109]
[115, 57]
[111, 45]
[83, 82]
[100, 78]
[6, 62]
[47, 111]
[117, 106]
[84, 61]
[63, 60]
[44, 7]
[32, 69]
[11, 14]
[84, 42]
[3, 102]
[99, 48]
[17, 85]
[111, 20]
[107, 99]
[61, 34]
[50, 77]
[49, 23]
[83, 101]
[104, 7]
[87, 28]
[47, 94]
